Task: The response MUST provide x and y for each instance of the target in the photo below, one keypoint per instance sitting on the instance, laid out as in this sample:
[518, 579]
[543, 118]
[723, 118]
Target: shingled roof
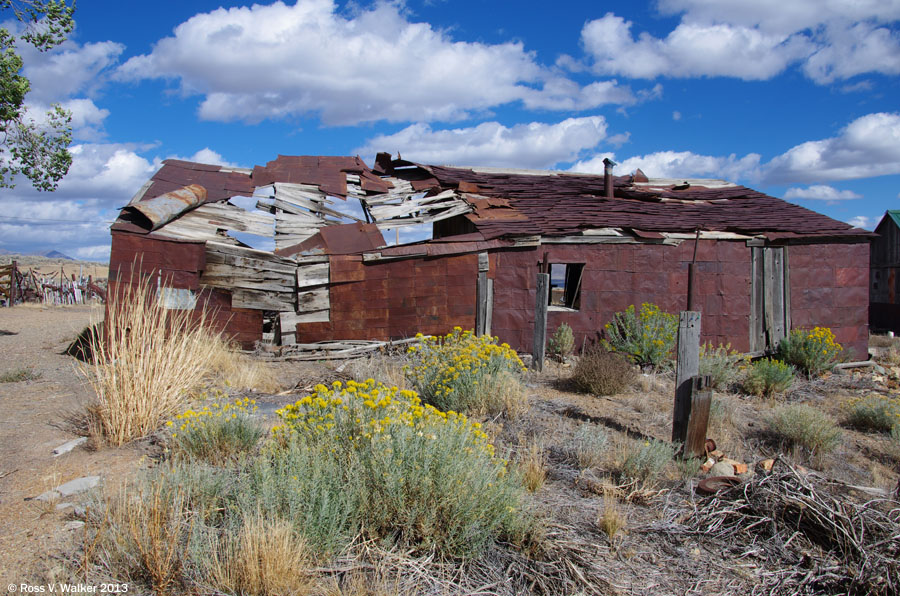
[516, 203]
[560, 204]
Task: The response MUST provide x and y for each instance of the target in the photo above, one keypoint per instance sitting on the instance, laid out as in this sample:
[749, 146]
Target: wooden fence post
[541, 299]
[13, 284]
[692, 398]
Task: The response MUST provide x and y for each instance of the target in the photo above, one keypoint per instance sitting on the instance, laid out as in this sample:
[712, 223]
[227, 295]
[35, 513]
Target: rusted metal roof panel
[160, 210]
[345, 239]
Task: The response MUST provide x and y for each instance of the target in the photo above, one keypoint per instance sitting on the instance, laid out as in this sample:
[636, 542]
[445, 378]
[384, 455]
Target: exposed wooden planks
[210, 221]
[261, 280]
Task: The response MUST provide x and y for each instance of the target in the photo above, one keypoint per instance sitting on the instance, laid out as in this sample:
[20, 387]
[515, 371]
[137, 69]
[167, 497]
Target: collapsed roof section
[296, 197]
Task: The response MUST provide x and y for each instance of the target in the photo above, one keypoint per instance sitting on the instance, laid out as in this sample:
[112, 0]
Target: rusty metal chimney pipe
[607, 177]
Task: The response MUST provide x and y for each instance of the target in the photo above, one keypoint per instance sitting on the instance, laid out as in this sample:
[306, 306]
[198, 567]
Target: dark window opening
[565, 285]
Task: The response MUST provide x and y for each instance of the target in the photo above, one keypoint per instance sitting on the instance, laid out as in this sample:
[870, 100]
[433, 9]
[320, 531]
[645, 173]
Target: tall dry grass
[148, 359]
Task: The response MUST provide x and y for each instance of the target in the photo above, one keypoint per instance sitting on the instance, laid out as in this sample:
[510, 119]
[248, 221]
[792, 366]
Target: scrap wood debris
[331, 350]
[811, 539]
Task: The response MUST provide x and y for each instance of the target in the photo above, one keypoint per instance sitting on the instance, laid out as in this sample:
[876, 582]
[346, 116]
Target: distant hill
[55, 254]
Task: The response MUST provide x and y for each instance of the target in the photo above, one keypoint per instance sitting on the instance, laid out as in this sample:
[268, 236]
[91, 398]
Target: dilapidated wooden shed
[762, 265]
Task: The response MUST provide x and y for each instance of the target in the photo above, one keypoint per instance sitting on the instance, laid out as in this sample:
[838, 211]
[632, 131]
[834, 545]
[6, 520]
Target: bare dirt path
[33, 421]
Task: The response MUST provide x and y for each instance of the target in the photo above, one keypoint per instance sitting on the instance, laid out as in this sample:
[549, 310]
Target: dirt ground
[33, 424]
[36, 413]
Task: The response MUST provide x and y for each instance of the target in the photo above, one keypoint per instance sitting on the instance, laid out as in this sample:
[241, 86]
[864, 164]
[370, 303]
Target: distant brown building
[884, 288]
[763, 266]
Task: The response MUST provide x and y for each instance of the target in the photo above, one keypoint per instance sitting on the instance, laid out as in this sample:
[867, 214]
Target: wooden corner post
[542, 298]
[690, 415]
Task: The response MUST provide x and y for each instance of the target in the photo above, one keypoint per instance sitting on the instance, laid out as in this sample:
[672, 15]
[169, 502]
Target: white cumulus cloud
[277, 61]
[531, 145]
[861, 221]
[753, 40]
[679, 164]
[868, 146]
[821, 192]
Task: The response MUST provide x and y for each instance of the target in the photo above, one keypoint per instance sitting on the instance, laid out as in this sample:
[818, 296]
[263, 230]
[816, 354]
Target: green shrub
[647, 461]
[562, 342]
[17, 375]
[361, 460]
[722, 364]
[805, 426]
[874, 413]
[813, 351]
[589, 446]
[453, 372]
[426, 477]
[767, 377]
[218, 432]
[602, 372]
[647, 337]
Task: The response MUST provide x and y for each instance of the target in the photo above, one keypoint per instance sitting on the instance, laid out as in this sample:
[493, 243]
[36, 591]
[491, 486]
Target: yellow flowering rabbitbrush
[813, 351]
[465, 372]
[426, 476]
[647, 338]
[218, 431]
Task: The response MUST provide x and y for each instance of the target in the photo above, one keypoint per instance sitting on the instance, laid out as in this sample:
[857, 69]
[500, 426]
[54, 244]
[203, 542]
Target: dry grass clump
[503, 392]
[383, 366]
[804, 426]
[148, 359]
[265, 558]
[612, 519]
[533, 468]
[229, 367]
[602, 372]
[144, 364]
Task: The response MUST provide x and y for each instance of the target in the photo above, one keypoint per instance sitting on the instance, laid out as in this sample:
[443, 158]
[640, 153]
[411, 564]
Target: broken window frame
[573, 275]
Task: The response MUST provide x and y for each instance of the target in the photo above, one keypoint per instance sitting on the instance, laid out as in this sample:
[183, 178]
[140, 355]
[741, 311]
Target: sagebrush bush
[589, 445]
[767, 377]
[355, 460]
[812, 351]
[562, 342]
[602, 372]
[455, 372]
[645, 461]
[723, 365]
[646, 337]
[427, 477]
[805, 426]
[218, 432]
[874, 413]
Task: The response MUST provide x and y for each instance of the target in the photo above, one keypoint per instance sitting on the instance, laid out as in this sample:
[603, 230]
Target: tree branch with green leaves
[36, 150]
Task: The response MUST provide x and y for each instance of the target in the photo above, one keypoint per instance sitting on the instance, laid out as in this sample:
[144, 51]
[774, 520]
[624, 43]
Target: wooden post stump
[542, 298]
[690, 415]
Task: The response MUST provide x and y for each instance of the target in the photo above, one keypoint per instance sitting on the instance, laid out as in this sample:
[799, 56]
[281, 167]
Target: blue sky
[797, 98]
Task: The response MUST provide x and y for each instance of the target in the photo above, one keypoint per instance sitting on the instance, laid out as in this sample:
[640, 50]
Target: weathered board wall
[397, 299]
[828, 287]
